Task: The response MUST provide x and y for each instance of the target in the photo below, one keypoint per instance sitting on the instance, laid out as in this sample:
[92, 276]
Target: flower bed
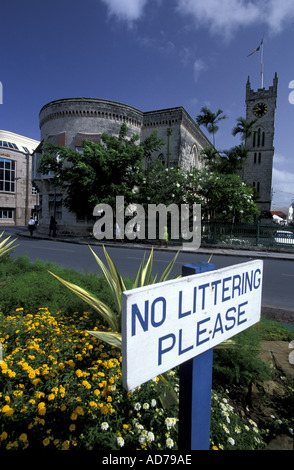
[61, 389]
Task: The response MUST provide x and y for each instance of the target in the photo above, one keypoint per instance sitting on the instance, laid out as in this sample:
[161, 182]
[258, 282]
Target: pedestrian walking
[31, 225]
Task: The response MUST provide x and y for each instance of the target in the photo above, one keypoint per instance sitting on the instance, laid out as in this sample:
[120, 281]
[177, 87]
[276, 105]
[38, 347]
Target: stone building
[18, 197]
[261, 105]
[68, 121]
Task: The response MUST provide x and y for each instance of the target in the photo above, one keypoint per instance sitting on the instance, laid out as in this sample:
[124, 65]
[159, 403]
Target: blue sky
[150, 54]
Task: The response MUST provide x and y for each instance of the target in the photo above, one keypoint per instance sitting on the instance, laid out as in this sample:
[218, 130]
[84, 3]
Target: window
[7, 175]
[57, 201]
[161, 158]
[6, 213]
[34, 191]
[8, 145]
[256, 186]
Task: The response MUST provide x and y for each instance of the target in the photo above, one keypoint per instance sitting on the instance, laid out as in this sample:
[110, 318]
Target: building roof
[11, 141]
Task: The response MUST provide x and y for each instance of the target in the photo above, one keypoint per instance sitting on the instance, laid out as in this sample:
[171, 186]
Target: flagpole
[261, 63]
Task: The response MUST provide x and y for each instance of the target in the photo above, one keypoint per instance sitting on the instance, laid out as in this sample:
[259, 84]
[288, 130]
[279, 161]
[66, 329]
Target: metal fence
[259, 235]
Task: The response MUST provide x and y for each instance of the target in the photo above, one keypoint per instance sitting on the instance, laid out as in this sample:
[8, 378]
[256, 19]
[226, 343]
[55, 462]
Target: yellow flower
[86, 384]
[32, 374]
[3, 436]
[73, 416]
[65, 445]
[79, 410]
[72, 427]
[51, 397]
[36, 381]
[70, 363]
[23, 437]
[92, 404]
[3, 366]
[79, 373]
[42, 408]
[104, 410]
[46, 441]
[7, 410]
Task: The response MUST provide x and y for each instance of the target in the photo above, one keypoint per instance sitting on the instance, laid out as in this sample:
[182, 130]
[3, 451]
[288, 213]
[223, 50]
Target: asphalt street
[278, 279]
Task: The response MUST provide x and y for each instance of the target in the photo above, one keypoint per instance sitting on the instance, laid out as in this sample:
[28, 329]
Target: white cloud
[225, 17]
[283, 190]
[129, 10]
[198, 67]
[279, 13]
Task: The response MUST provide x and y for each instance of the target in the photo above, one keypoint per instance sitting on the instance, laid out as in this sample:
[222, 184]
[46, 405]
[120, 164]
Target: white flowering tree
[223, 197]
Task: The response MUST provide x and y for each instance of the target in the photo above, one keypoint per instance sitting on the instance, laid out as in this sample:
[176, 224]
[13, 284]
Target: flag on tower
[257, 49]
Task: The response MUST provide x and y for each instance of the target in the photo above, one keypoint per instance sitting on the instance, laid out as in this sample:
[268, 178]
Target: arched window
[258, 137]
[161, 158]
[195, 160]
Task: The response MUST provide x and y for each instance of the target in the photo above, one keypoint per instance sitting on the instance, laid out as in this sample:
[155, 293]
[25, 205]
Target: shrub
[27, 284]
[243, 365]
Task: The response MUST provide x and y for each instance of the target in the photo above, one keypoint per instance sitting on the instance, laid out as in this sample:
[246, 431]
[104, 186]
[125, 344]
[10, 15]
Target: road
[278, 279]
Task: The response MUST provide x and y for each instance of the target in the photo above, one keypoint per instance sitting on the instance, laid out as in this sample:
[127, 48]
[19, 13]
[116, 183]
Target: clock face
[260, 109]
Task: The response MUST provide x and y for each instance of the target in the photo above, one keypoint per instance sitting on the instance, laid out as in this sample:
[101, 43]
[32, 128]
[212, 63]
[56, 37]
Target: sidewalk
[251, 253]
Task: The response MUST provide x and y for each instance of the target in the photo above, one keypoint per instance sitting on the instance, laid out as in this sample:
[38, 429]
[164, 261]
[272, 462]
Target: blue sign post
[195, 389]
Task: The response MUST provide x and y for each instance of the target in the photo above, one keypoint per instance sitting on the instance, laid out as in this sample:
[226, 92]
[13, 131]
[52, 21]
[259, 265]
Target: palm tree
[244, 127]
[210, 120]
[210, 154]
[234, 159]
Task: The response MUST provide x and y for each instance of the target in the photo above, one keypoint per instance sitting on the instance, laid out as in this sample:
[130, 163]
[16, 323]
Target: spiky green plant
[6, 246]
[117, 286]
[115, 281]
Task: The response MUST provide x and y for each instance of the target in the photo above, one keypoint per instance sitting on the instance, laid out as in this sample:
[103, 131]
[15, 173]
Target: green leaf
[114, 339]
[168, 396]
[114, 285]
[168, 269]
[6, 246]
[106, 313]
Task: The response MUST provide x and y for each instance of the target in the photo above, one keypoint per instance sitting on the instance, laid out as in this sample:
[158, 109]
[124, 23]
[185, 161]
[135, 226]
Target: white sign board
[168, 323]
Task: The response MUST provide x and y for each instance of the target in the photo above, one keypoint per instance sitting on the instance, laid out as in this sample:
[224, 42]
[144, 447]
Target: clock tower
[257, 171]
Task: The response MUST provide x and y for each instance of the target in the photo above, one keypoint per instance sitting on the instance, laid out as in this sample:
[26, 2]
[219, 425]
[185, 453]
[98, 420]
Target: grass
[61, 388]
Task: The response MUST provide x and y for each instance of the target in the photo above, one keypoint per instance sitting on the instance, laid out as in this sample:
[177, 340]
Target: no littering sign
[166, 324]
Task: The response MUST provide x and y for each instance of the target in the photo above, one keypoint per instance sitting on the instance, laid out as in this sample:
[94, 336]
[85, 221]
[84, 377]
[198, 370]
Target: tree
[224, 197]
[113, 167]
[211, 156]
[233, 159]
[244, 127]
[210, 120]
[163, 185]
